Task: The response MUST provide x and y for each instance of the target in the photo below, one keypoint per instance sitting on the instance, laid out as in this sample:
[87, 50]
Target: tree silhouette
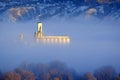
[89, 76]
[1, 75]
[53, 71]
[118, 77]
[57, 71]
[25, 75]
[11, 76]
[105, 73]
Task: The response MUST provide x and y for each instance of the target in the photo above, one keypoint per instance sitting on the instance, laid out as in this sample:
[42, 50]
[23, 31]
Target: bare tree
[105, 73]
[25, 75]
[89, 76]
[118, 77]
[11, 76]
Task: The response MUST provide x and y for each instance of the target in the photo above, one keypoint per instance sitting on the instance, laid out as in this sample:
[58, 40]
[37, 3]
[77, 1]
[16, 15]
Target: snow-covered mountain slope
[21, 11]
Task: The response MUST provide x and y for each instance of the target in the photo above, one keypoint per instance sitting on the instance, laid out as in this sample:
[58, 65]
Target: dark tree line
[57, 71]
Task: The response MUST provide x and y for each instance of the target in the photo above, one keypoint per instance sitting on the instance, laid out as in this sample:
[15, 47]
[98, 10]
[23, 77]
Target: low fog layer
[94, 43]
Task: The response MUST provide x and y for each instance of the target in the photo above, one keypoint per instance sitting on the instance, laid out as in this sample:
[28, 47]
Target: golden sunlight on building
[50, 39]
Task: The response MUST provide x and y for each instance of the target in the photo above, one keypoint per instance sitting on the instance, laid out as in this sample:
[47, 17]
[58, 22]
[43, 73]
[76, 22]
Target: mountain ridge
[44, 9]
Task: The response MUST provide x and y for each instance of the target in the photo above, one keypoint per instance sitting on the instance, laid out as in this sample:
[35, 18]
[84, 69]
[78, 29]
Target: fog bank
[94, 43]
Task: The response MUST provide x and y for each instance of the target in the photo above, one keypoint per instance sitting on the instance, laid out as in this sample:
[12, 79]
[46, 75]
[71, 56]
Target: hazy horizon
[94, 43]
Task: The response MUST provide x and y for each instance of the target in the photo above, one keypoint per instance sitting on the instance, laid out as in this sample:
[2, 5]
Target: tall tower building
[39, 33]
[50, 39]
[39, 27]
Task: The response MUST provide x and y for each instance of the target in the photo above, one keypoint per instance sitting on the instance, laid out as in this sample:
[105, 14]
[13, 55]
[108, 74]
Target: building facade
[50, 39]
